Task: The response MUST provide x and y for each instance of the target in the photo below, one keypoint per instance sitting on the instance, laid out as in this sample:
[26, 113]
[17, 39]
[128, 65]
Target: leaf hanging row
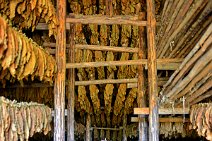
[21, 57]
[201, 119]
[27, 13]
[23, 120]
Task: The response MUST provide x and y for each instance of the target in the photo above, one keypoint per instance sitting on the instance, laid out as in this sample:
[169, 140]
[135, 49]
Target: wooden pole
[141, 98]
[96, 48]
[88, 126]
[59, 86]
[163, 64]
[124, 127]
[71, 86]
[152, 73]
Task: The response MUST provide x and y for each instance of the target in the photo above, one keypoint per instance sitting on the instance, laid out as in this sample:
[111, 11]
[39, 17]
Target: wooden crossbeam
[135, 85]
[162, 64]
[105, 128]
[162, 111]
[96, 47]
[169, 119]
[44, 26]
[131, 83]
[105, 19]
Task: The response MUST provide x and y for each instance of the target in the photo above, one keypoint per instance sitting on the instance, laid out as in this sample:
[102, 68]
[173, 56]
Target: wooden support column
[88, 126]
[152, 73]
[141, 98]
[59, 85]
[71, 86]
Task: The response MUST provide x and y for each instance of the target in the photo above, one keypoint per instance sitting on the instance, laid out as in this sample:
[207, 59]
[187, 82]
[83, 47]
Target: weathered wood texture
[182, 24]
[162, 64]
[141, 97]
[96, 47]
[105, 19]
[131, 83]
[71, 86]
[152, 73]
[88, 126]
[162, 111]
[59, 85]
[193, 77]
[166, 119]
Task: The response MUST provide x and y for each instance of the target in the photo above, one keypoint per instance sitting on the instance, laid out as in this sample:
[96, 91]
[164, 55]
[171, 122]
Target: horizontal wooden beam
[106, 63]
[105, 19]
[135, 85]
[80, 83]
[95, 47]
[162, 64]
[106, 81]
[168, 119]
[105, 128]
[44, 26]
[162, 111]
[131, 83]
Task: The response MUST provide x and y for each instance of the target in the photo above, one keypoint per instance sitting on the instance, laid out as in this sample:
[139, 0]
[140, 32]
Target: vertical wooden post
[152, 73]
[88, 126]
[124, 127]
[71, 87]
[141, 98]
[59, 86]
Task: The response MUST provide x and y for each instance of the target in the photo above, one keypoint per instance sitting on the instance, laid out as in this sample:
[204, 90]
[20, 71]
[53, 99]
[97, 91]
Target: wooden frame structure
[59, 130]
[151, 63]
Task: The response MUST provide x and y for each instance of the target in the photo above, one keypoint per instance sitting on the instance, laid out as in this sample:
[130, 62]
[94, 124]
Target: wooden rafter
[193, 77]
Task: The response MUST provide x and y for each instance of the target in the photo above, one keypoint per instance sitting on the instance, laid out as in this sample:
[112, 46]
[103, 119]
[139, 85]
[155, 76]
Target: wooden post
[88, 126]
[141, 98]
[152, 73]
[59, 85]
[71, 86]
[124, 127]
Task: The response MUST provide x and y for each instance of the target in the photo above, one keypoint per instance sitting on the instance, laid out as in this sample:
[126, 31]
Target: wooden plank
[152, 73]
[169, 119]
[59, 85]
[162, 111]
[162, 64]
[105, 19]
[97, 48]
[71, 87]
